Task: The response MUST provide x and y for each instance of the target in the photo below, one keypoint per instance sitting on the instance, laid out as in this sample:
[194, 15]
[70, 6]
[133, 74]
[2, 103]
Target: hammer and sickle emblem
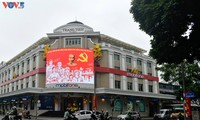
[83, 57]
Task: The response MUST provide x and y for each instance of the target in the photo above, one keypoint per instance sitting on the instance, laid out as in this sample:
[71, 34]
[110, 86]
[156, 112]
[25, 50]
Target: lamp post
[38, 105]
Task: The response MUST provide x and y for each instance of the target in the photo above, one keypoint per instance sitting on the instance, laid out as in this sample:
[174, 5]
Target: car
[83, 114]
[134, 115]
[164, 114]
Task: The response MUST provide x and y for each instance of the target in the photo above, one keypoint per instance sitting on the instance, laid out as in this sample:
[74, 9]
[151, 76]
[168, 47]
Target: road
[58, 118]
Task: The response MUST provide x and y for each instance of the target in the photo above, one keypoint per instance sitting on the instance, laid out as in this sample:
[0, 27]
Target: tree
[173, 73]
[174, 26]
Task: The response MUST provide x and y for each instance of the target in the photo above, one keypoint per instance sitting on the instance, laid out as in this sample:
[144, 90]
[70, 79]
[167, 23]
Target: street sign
[189, 95]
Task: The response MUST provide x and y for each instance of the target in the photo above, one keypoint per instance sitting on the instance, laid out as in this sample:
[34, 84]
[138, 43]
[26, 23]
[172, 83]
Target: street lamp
[94, 96]
[38, 105]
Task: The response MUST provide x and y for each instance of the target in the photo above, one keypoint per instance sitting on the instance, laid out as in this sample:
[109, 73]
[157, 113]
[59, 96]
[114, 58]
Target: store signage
[135, 75]
[73, 29]
[66, 85]
[117, 105]
[190, 95]
[24, 98]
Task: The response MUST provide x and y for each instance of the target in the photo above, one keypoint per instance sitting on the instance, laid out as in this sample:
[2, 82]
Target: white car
[134, 116]
[83, 114]
[164, 114]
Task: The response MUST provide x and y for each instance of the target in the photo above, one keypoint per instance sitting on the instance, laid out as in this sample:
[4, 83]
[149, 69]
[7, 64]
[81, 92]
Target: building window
[117, 67]
[17, 87]
[27, 85]
[12, 88]
[150, 88]
[117, 84]
[33, 83]
[22, 64]
[129, 70]
[129, 86]
[116, 57]
[17, 67]
[148, 65]
[128, 59]
[34, 58]
[7, 89]
[140, 72]
[22, 86]
[140, 87]
[28, 61]
[149, 74]
[139, 62]
[72, 41]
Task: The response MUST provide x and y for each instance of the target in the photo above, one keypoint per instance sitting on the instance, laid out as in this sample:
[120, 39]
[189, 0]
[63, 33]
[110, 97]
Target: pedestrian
[102, 115]
[66, 115]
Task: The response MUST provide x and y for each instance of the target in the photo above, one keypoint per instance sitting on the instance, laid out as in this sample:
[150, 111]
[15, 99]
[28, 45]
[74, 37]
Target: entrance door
[74, 103]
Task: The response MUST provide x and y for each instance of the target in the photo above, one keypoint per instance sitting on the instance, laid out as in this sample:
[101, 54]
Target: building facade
[115, 87]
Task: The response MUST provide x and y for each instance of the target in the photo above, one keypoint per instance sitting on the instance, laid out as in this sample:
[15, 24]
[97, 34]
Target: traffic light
[179, 93]
[182, 98]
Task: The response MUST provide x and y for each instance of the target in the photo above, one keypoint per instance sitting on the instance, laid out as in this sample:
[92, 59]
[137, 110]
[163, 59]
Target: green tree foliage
[174, 26]
[175, 73]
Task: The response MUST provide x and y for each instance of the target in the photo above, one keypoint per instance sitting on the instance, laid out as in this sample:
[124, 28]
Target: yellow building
[123, 77]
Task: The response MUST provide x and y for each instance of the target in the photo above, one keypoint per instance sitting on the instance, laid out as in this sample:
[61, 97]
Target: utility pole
[95, 97]
[184, 91]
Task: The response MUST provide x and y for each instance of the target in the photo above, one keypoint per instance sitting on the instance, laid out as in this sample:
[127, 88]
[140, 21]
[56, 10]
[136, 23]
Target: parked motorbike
[6, 117]
[107, 116]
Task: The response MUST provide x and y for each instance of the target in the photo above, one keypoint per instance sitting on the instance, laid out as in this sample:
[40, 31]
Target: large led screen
[70, 68]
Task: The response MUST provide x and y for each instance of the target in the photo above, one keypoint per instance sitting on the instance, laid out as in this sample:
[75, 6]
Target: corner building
[24, 80]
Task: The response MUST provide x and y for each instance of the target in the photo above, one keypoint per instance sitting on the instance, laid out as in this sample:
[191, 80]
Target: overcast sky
[20, 28]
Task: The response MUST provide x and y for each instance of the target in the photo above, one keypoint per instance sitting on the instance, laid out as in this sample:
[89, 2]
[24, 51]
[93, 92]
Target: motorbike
[108, 117]
[95, 117]
[6, 117]
[72, 117]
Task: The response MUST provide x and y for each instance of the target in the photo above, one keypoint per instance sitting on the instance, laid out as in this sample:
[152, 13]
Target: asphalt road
[58, 118]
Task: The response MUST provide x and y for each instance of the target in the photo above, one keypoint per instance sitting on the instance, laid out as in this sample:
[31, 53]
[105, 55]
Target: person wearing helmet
[66, 114]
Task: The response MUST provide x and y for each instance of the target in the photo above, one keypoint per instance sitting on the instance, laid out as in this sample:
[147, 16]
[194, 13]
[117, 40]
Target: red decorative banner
[125, 73]
[94, 102]
[188, 106]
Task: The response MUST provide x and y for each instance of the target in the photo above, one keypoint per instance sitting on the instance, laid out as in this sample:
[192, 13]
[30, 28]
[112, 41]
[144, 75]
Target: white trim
[89, 91]
[133, 93]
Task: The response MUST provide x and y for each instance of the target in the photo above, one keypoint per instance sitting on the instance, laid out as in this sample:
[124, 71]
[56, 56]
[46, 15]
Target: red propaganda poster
[69, 67]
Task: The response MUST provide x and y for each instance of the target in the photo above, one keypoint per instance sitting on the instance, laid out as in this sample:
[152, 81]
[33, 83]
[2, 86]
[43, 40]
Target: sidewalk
[46, 118]
[40, 118]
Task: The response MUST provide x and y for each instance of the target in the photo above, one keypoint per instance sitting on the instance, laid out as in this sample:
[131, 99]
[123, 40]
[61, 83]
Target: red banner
[94, 102]
[188, 106]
